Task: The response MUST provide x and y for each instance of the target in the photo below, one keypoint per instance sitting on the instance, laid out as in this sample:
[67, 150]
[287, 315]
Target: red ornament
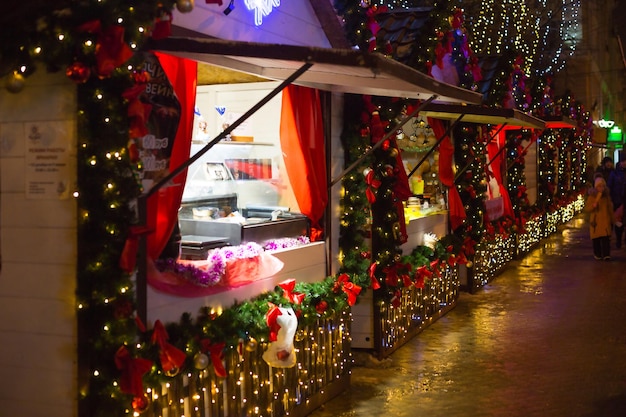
[321, 307]
[78, 72]
[140, 404]
[282, 355]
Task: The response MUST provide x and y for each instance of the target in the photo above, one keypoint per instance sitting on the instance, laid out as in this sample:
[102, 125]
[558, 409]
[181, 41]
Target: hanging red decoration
[171, 358]
[132, 370]
[351, 289]
[216, 353]
[140, 404]
[78, 72]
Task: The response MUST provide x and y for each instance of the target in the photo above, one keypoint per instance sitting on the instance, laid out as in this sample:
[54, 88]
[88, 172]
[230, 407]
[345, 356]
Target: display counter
[419, 221]
[305, 263]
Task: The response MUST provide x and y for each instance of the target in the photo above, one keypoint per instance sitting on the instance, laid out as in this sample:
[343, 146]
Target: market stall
[482, 163]
[337, 71]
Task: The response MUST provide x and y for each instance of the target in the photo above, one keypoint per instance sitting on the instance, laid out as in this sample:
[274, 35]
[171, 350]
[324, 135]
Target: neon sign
[261, 8]
[615, 134]
[606, 124]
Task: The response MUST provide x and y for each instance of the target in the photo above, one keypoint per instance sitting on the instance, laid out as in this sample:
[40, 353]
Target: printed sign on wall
[48, 163]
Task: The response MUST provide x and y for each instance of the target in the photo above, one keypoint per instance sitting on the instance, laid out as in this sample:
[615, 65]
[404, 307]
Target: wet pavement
[546, 337]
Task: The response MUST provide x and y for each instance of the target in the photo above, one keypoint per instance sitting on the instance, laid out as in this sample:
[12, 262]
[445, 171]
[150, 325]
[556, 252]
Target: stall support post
[141, 279]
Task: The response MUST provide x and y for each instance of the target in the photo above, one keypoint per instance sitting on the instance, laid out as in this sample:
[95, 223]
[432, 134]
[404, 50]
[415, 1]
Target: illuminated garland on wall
[470, 159]
[552, 27]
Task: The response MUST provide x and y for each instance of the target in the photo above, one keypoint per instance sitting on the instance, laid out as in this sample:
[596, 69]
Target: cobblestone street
[547, 337]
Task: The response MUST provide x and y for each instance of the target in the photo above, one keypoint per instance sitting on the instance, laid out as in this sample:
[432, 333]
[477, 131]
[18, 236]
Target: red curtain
[302, 142]
[496, 170]
[446, 174]
[163, 205]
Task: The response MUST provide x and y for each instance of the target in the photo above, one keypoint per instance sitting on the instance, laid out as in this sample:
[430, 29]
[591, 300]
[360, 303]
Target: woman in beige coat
[600, 209]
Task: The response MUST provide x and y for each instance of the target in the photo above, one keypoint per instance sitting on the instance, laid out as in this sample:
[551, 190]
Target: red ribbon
[132, 370]
[351, 289]
[216, 353]
[288, 287]
[128, 259]
[421, 274]
[372, 184]
[171, 357]
[372, 271]
[270, 319]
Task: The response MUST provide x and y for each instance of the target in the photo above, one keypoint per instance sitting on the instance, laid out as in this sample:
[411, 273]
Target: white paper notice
[48, 146]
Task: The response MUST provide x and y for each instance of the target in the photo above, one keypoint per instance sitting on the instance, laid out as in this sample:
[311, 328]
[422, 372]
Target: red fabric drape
[446, 174]
[302, 142]
[496, 170]
[163, 205]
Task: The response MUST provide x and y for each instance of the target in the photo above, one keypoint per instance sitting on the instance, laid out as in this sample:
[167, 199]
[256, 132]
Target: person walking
[605, 167]
[600, 209]
[616, 184]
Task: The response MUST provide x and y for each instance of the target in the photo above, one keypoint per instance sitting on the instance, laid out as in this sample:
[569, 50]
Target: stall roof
[559, 122]
[339, 70]
[482, 115]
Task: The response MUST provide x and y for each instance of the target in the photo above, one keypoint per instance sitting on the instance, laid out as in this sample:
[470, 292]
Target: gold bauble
[15, 82]
[184, 6]
[172, 372]
[200, 361]
[251, 344]
[299, 336]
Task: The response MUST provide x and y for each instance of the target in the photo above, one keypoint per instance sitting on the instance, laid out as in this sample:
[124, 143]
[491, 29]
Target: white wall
[38, 252]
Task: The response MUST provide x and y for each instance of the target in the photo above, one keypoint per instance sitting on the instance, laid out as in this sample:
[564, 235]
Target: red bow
[468, 246]
[351, 289]
[289, 293]
[461, 259]
[421, 274]
[216, 352]
[111, 50]
[133, 370]
[374, 282]
[372, 184]
[434, 267]
[270, 320]
[171, 357]
[391, 276]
